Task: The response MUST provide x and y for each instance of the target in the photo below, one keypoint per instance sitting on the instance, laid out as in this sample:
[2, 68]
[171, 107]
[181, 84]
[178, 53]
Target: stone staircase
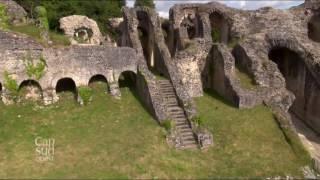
[176, 114]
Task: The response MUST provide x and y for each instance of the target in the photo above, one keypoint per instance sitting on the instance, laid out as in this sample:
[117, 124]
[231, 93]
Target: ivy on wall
[34, 70]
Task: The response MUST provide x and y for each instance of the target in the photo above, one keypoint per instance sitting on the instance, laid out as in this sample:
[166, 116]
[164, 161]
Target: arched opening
[83, 35]
[301, 83]
[66, 88]
[220, 28]
[127, 79]
[314, 28]
[30, 90]
[98, 82]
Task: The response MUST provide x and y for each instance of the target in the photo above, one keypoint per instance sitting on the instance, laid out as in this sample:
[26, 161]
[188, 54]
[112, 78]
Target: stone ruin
[81, 30]
[201, 46]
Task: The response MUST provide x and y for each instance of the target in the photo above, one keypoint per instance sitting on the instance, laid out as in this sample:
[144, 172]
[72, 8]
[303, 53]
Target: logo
[44, 149]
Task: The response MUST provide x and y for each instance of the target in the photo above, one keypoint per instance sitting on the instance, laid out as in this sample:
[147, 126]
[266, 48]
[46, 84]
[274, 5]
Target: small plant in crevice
[168, 125]
[198, 121]
[11, 85]
[85, 93]
[215, 35]
[34, 70]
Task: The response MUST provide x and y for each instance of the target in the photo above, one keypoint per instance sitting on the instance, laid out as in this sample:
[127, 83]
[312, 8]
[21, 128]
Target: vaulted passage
[301, 83]
[220, 28]
[191, 26]
[66, 86]
[314, 28]
[30, 90]
[98, 81]
[127, 79]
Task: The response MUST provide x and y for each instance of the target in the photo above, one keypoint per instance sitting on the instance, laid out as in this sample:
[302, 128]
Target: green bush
[85, 93]
[215, 35]
[168, 125]
[198, 121]
[11, 85]
[42, 17]
[34, 70]
[4, 20]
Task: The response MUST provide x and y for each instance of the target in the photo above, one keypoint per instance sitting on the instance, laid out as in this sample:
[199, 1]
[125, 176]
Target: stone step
[187, 134]
[182, 126]
[185, 130]
[188, 138]
[189, 142]
[190, 146]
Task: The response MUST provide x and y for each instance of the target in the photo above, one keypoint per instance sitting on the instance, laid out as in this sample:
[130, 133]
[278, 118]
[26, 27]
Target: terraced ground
[112, 138]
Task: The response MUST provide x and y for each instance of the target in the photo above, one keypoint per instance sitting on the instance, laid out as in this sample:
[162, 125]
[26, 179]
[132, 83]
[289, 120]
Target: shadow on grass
[218, 97]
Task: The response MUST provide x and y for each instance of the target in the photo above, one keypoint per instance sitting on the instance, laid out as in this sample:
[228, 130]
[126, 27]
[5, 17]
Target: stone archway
[220, 28]
[98, 81]
[30, 90]
[191, 25]
[314, 28]
[127, 79]
[65, 86]
[301, 83]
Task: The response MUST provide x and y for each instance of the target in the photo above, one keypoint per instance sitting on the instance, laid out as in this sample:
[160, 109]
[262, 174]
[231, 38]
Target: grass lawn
[112, 138]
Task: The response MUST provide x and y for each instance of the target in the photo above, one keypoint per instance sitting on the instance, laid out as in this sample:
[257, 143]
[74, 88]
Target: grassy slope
[118, 138]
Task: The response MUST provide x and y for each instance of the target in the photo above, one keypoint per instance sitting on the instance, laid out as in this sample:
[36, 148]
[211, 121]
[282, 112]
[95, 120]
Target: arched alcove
[65, 86]
[314, 28]
[127, 79]
[220, 28]
[301, 82]
[98, 81]
[30, 90]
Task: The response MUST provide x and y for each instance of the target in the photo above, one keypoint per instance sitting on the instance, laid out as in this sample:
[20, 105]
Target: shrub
[11, 85]
[215, 35]
[34, 70]
[3, 17]
[85, 93]
[198, 121]
[168, 125]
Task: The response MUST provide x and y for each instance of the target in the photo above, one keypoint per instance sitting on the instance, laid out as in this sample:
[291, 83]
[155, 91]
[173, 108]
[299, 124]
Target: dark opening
[293, 69]
[66, 86]
[98, 81]
[219, 28]
[30, 89]
[127, 79]
[83, 35]
[314, 28]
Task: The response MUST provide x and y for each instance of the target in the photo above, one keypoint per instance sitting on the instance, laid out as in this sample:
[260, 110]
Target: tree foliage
[148, 3]
[99, 10]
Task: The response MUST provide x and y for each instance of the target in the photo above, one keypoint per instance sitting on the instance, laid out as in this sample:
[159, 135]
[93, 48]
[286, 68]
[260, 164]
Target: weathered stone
[81, 30]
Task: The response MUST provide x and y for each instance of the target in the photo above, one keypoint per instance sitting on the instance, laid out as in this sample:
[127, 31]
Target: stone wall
[77, 62]
[17, 15]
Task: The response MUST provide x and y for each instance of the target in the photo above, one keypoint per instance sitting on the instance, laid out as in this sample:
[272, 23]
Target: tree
[147, 3]
[99, 10]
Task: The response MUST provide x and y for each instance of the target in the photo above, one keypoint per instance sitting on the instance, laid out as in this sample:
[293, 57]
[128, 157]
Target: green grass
[112, 138]
[34, 32]
[246, 80]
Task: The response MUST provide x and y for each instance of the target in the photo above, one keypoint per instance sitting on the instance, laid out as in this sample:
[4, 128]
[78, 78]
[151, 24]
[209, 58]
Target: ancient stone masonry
[81, 30]
[76, 62]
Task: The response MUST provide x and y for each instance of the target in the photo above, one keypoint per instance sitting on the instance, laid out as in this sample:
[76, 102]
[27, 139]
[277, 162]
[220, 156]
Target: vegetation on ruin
[215, 35]
[58, 39]
[85, 93]
[168, 125]
[98, 10]
[34, 70]
[246, 80]
[11, 85]
[147, 3]
[122, 140]
[3, 17]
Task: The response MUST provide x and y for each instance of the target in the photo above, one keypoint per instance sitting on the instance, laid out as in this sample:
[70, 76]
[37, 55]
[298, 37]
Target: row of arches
[31, 89]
